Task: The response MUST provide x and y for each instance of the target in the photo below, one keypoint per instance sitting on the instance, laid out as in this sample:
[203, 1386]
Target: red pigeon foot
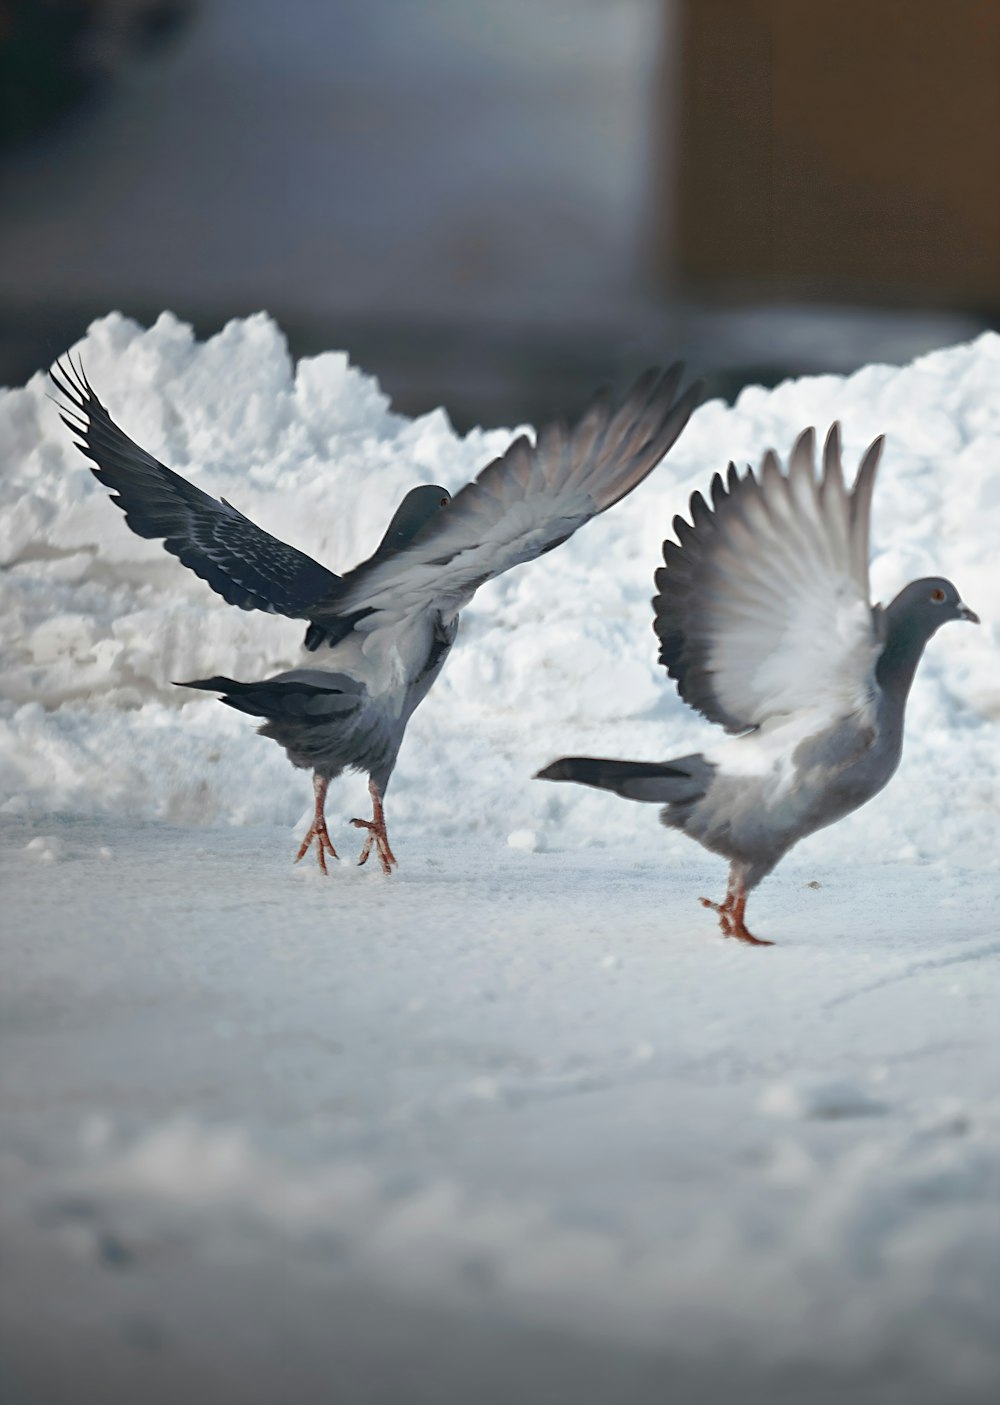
[376, 833]
[318, 830]
[731, 918]
[737, 926]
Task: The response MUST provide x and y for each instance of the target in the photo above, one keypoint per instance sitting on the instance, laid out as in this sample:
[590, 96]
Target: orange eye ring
[937, 595]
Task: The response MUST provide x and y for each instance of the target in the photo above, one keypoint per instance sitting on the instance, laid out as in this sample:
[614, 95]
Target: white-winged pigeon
[766, 625]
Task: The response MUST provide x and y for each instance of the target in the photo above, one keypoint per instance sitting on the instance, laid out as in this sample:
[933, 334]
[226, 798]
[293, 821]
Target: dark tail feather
[657, 783]
[218, 684]
[284, 699]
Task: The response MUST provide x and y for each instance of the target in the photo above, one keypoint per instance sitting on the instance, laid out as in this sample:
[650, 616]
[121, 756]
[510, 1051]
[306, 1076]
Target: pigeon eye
[937, 595]
[445, 502]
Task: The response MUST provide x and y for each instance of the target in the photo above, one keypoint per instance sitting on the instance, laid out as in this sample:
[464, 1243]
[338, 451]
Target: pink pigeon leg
[376, 832]
[732, 912]
[318, 830]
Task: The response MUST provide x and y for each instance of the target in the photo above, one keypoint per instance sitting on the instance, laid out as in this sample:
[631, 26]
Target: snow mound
[556, 656]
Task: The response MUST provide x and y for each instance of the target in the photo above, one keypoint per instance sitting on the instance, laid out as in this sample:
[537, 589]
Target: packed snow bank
[556, 656]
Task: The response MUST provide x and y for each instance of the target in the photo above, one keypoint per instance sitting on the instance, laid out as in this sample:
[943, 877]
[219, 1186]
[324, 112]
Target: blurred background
[497, 204]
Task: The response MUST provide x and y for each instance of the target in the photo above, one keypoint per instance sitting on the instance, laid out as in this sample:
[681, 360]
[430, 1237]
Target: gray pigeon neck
[904, 644]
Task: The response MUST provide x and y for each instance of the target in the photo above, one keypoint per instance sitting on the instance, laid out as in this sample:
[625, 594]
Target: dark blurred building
[496, 204]
[848, 150]
[55, 54]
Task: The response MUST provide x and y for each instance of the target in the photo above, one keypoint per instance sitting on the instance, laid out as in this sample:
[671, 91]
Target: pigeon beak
[964, 613]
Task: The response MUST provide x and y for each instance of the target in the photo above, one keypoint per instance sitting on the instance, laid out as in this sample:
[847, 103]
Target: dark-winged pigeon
[766, 626]
[378, 636]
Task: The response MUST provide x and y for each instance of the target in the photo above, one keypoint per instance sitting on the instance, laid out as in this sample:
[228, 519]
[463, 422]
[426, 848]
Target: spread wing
[763, 604]
[245, 565]
[522, 504]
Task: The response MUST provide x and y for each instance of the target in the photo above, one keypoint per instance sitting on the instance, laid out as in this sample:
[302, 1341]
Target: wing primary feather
[640, 453]
[803, 456]
[770, 468]
[861, 506]
[699, 512]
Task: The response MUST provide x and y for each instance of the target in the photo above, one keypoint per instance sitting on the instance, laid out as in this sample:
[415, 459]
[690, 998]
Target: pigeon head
[416, 509]
[925, 605]
[918, 611]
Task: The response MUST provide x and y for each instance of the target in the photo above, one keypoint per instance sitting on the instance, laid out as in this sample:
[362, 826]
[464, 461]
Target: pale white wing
[522, 504]
[763, 606]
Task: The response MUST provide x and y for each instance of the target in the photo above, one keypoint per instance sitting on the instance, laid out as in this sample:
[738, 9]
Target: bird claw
[378, 837]
[324, 844]
[741, 932]
[731, 920]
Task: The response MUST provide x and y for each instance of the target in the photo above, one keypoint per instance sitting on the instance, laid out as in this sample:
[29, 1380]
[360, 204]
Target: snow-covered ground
[516, 1124]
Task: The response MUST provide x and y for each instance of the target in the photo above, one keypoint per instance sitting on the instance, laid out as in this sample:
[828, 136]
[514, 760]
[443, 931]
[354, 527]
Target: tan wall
[841, 146]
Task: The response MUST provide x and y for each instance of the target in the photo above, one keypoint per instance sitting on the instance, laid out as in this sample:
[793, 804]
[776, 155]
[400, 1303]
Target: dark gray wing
[522, 504]
[245, 565]
[763, 604]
